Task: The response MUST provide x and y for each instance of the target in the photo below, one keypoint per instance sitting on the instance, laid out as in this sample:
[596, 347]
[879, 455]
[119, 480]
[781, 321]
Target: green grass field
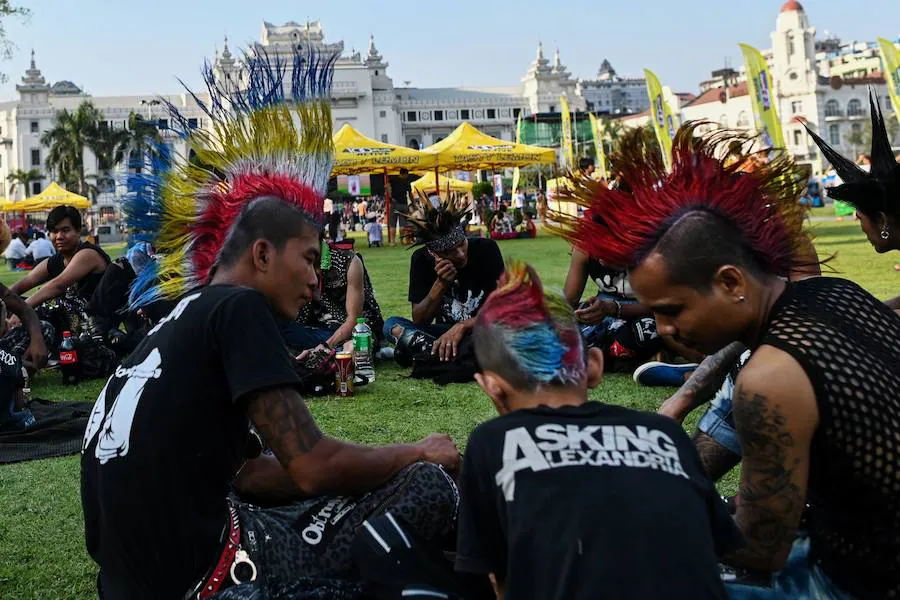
[41, 536]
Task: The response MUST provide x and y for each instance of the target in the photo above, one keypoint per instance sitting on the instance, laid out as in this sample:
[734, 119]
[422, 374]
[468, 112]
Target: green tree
[70, 135]
[7, 48]
[23, 178]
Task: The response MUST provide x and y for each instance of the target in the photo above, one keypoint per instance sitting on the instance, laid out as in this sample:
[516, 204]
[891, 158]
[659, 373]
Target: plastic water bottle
[362, 350]
[68, 360]
[26, 388]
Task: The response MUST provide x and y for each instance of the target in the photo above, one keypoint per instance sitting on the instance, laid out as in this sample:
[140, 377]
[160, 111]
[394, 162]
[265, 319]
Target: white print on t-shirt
[115, 433]
[176, 312]
[463, 310]
[561, 446]
[7, 359]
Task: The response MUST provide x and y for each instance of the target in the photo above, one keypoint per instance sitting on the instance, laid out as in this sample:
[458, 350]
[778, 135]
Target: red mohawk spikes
[623, 225]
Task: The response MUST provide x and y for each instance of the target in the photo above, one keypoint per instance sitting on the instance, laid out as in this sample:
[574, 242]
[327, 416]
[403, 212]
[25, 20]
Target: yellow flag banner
[568, 150]
[515, 181]
[597, 130]
[891, 58]
[760, 81]
[662, 117]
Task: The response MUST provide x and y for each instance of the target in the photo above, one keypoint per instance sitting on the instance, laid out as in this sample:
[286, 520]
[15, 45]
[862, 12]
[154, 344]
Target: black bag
[460, 370]
[96, 360]
[400, 565]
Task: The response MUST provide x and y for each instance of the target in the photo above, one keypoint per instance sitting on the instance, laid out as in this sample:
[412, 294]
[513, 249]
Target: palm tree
[67, 139]
[23, 178]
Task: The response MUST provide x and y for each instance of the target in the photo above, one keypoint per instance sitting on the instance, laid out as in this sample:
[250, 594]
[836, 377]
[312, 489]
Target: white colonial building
[363, 94]
[824, 82]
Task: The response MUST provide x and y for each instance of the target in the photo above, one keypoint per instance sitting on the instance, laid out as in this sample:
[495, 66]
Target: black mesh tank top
[849, 345]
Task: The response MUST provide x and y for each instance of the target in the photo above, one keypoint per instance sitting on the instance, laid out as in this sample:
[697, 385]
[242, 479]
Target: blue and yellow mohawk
[270, 134]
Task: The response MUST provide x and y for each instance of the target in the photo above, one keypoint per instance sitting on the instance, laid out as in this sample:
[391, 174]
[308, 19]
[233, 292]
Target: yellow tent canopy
[6, 205]
[52, 197]
[425, 184]
[467, 149]
[355, 153]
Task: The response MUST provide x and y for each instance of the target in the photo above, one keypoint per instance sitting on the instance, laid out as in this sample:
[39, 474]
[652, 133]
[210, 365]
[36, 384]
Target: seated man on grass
[170, 435]
[345, 293]
[566, 498]
[76, 264]
[815, 406]
[449, 280]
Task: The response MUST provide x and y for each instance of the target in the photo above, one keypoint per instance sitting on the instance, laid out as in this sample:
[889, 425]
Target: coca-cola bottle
[68, 360]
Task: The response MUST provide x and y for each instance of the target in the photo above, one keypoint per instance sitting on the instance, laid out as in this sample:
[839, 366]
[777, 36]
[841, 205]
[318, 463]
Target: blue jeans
[799, 578]
[304, 337]
[433, 330]
[718, 422]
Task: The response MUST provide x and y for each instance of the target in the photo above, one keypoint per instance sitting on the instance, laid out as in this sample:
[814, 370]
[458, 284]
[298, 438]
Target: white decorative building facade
[824, 82]
[363, 94]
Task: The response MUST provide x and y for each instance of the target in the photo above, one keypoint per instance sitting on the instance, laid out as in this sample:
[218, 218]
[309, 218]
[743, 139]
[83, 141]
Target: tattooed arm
[717, 460]
[776, 416]
[36, 353]
[318, 464]
[703, 383]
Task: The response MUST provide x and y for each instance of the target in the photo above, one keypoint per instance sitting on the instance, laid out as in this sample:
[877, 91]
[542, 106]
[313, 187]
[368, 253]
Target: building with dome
[823, 81]
[363, 95]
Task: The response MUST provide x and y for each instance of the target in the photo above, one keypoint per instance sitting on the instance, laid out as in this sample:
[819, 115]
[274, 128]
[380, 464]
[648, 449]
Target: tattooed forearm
[717, 459]
[708, 377]
[284, 422]
[771, 500]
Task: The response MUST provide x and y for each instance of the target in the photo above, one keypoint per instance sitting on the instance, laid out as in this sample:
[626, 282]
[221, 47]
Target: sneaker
[659, 374]
[22, 420]
[385, 353]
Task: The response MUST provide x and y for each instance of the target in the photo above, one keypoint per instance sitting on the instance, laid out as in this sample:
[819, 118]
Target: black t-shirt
[610, 281]
[592, 502]
[10, 380]
[401, 192]
[86, 286]
[167, 436]
[473, 284]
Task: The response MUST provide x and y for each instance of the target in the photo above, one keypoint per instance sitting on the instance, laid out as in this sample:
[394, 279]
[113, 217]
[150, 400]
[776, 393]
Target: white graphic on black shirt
[176, 312]
[96, 418]
[115, 434]
[560, 446]
[458, 311]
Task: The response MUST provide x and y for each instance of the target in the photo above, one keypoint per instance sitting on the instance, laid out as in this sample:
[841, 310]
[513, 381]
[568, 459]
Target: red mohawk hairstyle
[760, 206]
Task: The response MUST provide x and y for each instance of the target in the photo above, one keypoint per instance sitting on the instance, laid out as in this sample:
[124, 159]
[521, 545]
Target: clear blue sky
[139, 47]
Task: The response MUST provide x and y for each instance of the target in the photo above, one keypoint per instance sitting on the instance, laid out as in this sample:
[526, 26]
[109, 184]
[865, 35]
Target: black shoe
[410, 344]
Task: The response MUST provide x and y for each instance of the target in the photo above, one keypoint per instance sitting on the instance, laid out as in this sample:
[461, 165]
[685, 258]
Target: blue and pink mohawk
[537, 326]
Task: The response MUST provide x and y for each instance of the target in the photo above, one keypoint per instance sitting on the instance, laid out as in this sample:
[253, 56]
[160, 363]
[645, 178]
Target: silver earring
[742, 299]
[885, 234]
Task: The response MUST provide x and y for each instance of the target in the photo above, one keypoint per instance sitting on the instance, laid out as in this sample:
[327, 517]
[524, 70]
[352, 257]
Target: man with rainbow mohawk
[709, 247]
[563, 498]
[238, 230]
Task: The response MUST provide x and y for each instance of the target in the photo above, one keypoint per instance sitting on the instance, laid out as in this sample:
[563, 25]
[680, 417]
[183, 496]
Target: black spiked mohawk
[875, 191]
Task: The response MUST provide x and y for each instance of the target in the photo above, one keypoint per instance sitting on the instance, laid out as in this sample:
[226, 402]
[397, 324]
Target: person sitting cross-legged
[563, 498]
[178, 426]
[77, 264]
[345, 294]
[449, 279]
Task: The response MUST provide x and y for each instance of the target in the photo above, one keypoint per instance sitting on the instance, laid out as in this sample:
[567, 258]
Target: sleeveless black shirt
[849, 345]
[86, 286]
